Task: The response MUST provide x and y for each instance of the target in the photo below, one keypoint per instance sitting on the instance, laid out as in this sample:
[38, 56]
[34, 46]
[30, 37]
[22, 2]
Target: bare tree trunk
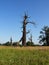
[24, 34]
[11, 41]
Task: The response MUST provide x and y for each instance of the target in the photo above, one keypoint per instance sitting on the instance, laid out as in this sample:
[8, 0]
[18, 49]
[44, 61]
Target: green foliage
[15, 43]
[29, 43]
[10, 44]
[0, 43]
[7, 44]
[44, 37]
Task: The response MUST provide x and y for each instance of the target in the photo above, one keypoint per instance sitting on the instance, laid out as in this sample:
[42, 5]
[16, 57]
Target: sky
[11, 18]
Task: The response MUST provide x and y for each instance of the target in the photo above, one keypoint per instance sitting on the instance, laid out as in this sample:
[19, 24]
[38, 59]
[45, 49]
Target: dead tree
[11, 41]
[30, 38]
[25, 22]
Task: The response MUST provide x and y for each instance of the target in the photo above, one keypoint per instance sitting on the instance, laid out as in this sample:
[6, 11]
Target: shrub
[29, 43]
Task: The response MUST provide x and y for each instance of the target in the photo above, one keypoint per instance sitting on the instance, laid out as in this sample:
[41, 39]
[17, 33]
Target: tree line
[43, 39]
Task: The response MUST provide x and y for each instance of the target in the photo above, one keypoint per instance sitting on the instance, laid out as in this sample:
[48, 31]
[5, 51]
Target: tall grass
[24, 55]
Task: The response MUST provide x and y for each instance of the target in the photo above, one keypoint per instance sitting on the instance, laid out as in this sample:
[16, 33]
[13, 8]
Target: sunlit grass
[24, 55]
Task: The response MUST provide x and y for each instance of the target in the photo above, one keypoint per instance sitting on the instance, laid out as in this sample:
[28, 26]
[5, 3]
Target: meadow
[24, 55]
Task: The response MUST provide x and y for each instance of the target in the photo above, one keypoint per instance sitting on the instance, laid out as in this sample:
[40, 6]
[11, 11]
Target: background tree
[15, 43]
[11, 41]
[6, 44]
[44, 36]
[30, 38]
[29, 43]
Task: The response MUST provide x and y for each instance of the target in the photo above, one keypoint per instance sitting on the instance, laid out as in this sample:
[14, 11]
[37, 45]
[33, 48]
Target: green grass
[23, 56]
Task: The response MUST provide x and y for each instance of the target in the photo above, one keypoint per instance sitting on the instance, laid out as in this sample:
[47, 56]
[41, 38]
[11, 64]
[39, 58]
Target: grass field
[24, 55]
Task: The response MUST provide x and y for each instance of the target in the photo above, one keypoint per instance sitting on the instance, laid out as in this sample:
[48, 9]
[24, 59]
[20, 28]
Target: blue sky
[11, 17]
